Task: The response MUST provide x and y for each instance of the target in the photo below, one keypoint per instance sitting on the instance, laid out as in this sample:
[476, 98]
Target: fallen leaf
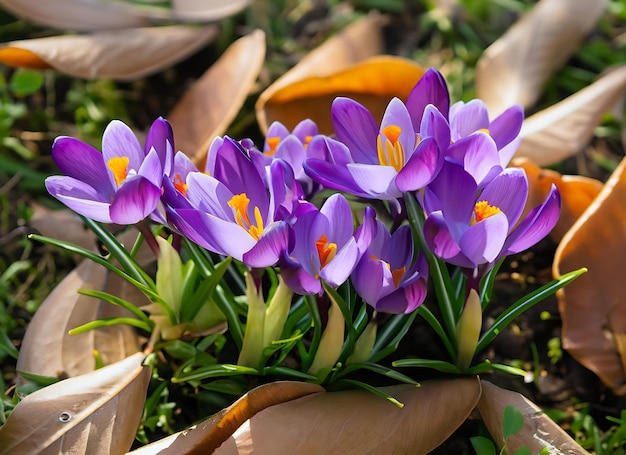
[211, 104]
[75, 14]
[565, 128]
[592, 307]
[539, 430]
[577, 193]
[372, 82]
[203, 11]
[124, 54]
[208, 435]
[516, 66]
[360, 422]
[360, 40]
[96, 413]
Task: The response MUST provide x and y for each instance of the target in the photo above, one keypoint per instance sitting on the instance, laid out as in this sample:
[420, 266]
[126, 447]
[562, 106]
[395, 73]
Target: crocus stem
[252, 349]
[438, 270]
[148, 235]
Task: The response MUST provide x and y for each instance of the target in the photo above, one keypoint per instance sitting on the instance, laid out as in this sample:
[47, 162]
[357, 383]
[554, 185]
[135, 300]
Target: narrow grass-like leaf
[376, 368]
[109, 322]
[190, 309]
[487, 367]
[117, 301]
[214, 371]
[487, 282]
[372, 389]
[439, 365]
[348, 346]
[317, 333]
[434, 323]
[390, 335]
[524, 304]
[289, 372]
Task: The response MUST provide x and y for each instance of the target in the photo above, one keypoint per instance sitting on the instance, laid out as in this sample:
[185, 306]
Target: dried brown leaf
[75, 14]
[577, 193]
[96, 413]
[47, 349]
[210, 434]
[124, 54]
[372, 82]
[211, 104]
[360, 40]
[202, 11]
[592, 307]
[566, 127]
[539, 430]
[360, 422]
[516, 66]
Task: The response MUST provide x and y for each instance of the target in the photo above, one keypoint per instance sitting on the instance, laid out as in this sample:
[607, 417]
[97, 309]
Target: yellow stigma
[240, 202]
[326, 251]
[390, 152]
[119, 167]
[272, 143]
[483, 210]
[180, 185]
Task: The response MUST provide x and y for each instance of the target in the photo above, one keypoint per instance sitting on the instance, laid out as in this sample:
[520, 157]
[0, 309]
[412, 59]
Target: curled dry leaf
[592, 307]
[203, 11]
[124, 54]
[360, 40]
[566, 127]
[360, 422]
[539, 430]
[210, 434]
[515, 67]
[96, 413]
[577, 193]
[208, 107]
[75, 14]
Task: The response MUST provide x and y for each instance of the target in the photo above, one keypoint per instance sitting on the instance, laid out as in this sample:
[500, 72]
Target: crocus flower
[468, 227]
[325, 245]
[385, 277]
[122, 184]
[231, 212]
[382, 162]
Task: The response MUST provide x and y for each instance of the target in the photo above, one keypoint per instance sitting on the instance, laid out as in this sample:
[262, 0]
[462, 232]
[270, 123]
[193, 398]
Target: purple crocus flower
[325, 245]
[231, 211]
[468, 227]
[122, 184]
[385, 277]
[384, 162]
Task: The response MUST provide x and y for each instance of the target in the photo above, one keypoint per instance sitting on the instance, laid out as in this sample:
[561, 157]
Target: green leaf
[524, 304]
[439, 365]
[483, 446]
[109, 322]
[117, 301]
[390, 334]
[376, 368]
[213, 371]
[369, 388]
[526, 451]
[26, 82]
[512, 421]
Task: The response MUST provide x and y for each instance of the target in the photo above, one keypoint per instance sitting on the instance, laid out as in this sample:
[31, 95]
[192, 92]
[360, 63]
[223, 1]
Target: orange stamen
[180, 185]
[391, 152]
[119, 167]
[240, 202]
[326, 251]
[397, 275]
[483, 210]
[272, 143]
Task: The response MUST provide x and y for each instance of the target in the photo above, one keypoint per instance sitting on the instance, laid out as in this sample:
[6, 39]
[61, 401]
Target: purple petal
[399, 249]
[83, 162]
[276, 129]
[333, 176]
[209, 195]
[328, 149]
[341, 266]
[285, 191]
[430, 89]
[368, 230]
[441, 243]
[151, 168]
[292, 151]
[375, 181]
[508, 191]
[118, 140]
[421, 168]
[355, 127]
[467, 118]
[478, 155]
[183, 166]
[369, 278]
[397, 115]
[435, 125]
[339, 215]
[80, 197]
[458, 199]
[536, 225]
[305, 129]
[507, 126]
[270, 246]
[135, 199]
[161, 138]
[299, 280]
[483, 242]
[404, 299]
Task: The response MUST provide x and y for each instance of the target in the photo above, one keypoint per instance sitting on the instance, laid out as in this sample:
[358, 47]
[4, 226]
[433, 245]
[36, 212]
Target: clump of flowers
[333, 286]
